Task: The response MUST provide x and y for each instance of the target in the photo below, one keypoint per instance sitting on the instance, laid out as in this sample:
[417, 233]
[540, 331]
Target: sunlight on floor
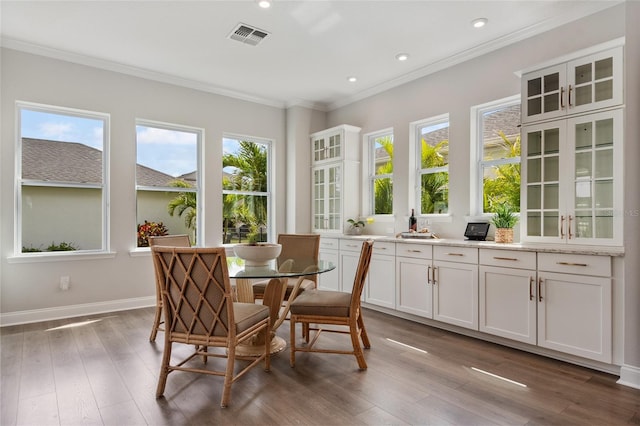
[406, 346]
[499, 377]
[75, 324]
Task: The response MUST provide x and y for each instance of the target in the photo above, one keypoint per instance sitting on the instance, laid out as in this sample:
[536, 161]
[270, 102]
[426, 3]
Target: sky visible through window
[153, 143]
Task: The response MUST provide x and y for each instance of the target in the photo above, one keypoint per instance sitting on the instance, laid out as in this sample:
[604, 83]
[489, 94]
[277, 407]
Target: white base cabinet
[414, 290]
[329, 251]
[349, 258]
[380, 289]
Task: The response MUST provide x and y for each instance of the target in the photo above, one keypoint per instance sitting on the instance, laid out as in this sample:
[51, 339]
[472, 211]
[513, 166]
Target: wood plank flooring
[102, 370]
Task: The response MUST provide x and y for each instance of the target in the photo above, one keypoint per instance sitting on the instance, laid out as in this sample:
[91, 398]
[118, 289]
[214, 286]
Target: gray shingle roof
[53, 161]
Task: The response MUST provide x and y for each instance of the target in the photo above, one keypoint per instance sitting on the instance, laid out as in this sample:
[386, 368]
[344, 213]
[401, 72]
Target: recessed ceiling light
[479, 23]
[265, 4]
[402, 56]
[352, 79]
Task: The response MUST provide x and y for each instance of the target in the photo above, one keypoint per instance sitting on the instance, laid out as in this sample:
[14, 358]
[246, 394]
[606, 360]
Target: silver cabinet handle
[455, 254]
[505, 258]
[571, 264]
[429, 274]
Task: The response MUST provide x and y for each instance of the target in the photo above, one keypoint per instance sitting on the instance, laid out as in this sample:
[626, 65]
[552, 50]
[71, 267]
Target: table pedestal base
[278, 344]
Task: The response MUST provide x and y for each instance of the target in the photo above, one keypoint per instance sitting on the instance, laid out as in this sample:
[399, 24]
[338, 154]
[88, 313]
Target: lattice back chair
[334, 308]
[298, 251]
[199, 310]
[181, 240]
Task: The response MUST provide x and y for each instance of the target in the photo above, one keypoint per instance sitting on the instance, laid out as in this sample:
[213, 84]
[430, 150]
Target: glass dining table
[275, 292]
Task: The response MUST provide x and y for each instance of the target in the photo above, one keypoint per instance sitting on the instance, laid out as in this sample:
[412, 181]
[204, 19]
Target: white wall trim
[60, 312]
[629, 376]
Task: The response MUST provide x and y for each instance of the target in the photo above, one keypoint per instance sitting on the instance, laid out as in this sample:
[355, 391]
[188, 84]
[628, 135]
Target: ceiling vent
[248, 34]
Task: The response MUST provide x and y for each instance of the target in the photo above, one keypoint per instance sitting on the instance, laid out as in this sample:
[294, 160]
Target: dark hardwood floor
[102, 370]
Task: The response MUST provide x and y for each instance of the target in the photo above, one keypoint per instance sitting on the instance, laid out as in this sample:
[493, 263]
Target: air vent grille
[247, 34]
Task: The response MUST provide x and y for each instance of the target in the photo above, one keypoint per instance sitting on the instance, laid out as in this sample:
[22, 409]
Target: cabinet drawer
[456, 254]
[350, 245]
[419, 251]
[329, 243]
[384, 248]
[508, 258]
[575, 264]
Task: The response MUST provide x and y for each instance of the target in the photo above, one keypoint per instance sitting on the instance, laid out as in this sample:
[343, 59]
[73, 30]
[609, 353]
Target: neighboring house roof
[54, 161]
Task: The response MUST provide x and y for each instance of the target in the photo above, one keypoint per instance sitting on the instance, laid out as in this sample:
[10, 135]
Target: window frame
[369, 172]
[478, 164]
[198, 190]
[270, 143]
[104, 186]
[416, 171]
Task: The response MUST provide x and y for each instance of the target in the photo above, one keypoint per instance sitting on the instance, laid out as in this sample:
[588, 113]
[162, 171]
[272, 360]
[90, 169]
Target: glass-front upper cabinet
[327, 147]
[572, 180]
[576, 86]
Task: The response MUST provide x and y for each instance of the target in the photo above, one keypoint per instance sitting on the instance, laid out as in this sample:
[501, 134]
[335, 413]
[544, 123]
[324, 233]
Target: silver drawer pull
[571, 264]
[414, 251]
[455, 254]
[351, 245]
[505, 258]
[381, 248]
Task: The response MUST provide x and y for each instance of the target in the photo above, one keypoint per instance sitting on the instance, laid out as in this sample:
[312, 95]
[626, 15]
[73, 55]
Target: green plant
[356, 223]
[63, 246]
[149, 229]
[504, 216]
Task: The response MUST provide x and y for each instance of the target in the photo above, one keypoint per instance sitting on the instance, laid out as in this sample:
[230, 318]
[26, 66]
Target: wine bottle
[413, 222]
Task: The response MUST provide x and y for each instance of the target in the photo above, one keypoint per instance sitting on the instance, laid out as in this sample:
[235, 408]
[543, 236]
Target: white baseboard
[629, 376]
[47, 314]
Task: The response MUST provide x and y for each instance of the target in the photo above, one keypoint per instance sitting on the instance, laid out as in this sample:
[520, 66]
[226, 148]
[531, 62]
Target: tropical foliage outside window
[166, 180]
[62, 189]
[500, 157]
[381, 173]
[245, 190]
[433, 165]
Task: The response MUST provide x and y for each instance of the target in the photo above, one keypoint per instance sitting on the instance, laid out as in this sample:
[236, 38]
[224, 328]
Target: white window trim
[475, 156]
[415, 169]
[199, 190]
[104, 251]
[368, 171]
[271, 179]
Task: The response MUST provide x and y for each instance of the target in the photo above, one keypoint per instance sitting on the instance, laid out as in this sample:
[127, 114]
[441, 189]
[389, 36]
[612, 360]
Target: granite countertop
[537, 247]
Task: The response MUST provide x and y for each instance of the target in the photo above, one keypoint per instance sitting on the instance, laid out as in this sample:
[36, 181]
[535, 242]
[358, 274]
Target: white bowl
[259, 254]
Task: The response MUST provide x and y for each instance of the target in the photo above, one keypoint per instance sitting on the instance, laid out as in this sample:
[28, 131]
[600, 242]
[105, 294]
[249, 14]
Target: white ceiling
[312, 48]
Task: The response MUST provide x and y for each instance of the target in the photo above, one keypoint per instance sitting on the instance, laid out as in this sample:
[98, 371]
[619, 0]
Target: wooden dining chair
[199, 310]
[299, 251]
[180, 240]
[314, 308]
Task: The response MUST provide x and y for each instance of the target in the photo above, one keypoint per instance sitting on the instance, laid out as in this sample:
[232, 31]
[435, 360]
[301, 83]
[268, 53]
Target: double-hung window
[167, 180]
[379, 196]
[246, 190]
[497, 155]
[62, 180]
[431, 138]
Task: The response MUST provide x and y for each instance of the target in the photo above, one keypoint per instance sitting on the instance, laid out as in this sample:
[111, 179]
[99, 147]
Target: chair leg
[164, 368]
[292, 338]
[228, 376]
[355, 341]
[156, 323]
[363, 332]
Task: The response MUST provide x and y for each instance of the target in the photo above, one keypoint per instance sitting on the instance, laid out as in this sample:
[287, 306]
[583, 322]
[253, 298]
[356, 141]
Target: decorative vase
[504, 235]
[259, 254]
[355, 230]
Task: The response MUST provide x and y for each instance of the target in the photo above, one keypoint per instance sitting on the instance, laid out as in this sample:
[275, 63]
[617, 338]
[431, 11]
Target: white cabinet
[414, 289]
[508, 294]
[349, 259]
[572, 180]
[329, 250]
[455, 285]
[576, 86]
[574, 304]
[381, 284]
[335, 177]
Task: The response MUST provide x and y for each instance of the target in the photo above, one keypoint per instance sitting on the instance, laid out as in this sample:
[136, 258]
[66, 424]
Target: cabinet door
[348, 266]
[574, 314]
[381, 288]
[327, 146]
[541, 182]
[327, 198]
[455, 294]
[414, 293]
[543, 94]
[595, 81]
[595, 189]
[330, 280]
[508, 303]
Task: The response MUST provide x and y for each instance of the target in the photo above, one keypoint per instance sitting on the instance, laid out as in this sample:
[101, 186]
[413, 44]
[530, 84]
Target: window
[246, 183]
[167, 180]
[62, 175]
[498, 155]
[432, 159]
[380, 179]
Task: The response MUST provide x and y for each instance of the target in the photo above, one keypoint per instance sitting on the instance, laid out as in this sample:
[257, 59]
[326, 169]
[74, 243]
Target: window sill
[60, 257]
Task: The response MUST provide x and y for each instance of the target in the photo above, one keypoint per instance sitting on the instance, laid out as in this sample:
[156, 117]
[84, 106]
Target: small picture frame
[477, 231]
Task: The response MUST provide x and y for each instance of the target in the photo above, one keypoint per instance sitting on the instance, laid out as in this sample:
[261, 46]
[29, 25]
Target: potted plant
[504, 219]
[255, 253]
[355, 226]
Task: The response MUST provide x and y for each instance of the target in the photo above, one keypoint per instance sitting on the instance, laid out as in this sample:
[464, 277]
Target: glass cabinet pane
[534, 197]
[552, 141]
[550, 224]
[604, 224]
[534, 87]
[534, 170]
[604, 194]
[604, 132]
[604, 90]
[534, 224]
[551, 197]
[583, 193]
[604, 163]
[583, 225]
[583, 165]
[534, 144]
[551, 168]
[583, 74]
